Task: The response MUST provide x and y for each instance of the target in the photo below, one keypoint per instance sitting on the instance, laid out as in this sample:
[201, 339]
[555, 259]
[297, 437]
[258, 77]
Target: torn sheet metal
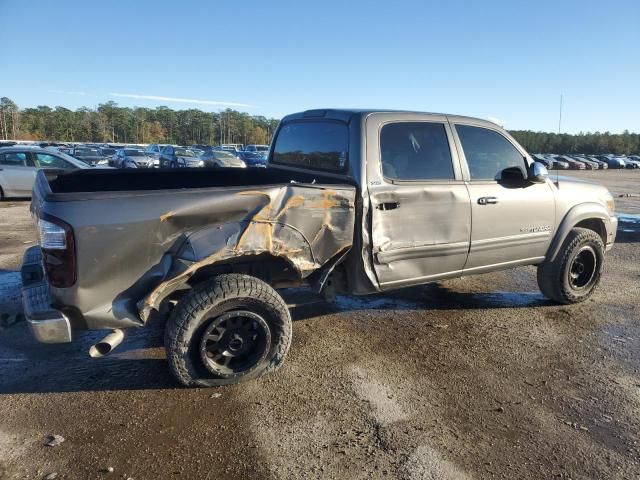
[134, 248]
[304, 226]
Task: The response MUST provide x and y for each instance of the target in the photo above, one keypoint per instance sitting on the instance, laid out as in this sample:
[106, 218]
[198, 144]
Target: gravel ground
[466, 379]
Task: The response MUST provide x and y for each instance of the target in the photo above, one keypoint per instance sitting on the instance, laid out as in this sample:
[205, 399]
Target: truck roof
[345, 114]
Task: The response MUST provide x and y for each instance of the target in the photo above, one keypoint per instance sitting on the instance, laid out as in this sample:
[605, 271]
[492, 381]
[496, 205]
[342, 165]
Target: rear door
[512, 218]
[16, 174]
[420, 211]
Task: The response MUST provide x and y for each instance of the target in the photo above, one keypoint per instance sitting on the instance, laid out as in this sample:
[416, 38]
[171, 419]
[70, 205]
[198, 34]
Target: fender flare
[577, 214]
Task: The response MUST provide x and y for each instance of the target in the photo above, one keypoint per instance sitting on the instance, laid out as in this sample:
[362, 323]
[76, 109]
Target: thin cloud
[68, 92]
[195, 101]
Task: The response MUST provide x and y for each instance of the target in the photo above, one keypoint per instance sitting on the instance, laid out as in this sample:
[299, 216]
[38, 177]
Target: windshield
[133, 153]
[183, 152]
[262, 148]
[108, 151]
[223, 155]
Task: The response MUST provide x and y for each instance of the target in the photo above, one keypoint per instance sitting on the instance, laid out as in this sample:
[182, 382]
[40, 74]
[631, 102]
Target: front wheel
[227, 330]
[575, 273]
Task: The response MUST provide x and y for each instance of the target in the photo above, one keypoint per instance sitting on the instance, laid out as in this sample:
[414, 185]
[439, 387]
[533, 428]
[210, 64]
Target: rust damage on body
[304, 226]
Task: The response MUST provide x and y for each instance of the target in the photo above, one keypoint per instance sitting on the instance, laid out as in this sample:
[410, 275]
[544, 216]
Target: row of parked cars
[586, 162]
[19, 163]
[170, 156]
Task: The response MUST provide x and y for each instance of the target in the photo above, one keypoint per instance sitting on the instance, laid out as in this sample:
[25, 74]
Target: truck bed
[116, 180]
[140, 235]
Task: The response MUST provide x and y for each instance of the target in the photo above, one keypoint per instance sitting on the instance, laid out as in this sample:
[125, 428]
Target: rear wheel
[227, 330]
[575, 273]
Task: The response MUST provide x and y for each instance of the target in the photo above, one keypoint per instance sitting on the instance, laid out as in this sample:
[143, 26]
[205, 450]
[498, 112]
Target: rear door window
[15, 159]
[320, 145]
[415, 151]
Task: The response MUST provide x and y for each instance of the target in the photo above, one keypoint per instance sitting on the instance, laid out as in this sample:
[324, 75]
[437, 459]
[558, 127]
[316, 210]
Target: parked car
[573, 164]
[603, 165]
[613, 162]
[178, 157]
[254, 158]
[106, 152]
[153, 150]
[19, 165]
[559, 164]
[256, 148]
[206, 252]
[631, 163]
[132, 158]
[220, 158]
[548, 162]
[231, 147]
[588, 164]
[90, 155]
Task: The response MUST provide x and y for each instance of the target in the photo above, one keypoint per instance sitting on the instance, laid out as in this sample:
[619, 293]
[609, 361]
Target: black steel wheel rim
[583, 268]
[235, 343]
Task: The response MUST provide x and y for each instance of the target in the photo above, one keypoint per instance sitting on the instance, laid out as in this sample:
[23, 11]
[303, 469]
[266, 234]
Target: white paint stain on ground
[427, 464]
[11, 447]
[424, 463]
[386, 409]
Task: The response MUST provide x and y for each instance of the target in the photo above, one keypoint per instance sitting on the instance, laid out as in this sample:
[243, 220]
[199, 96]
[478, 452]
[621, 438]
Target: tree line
[111, 123]
[589, 143]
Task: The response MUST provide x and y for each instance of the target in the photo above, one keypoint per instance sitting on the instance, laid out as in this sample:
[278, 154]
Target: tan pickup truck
[352, 201]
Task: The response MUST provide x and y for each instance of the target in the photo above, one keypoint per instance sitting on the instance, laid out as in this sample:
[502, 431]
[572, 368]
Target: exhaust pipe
[107, 344]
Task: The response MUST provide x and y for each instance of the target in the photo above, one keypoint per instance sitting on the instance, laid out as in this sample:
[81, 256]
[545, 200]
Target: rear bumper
[47, 324]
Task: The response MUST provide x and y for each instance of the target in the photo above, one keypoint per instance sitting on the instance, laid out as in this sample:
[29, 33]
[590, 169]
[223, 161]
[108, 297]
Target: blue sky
[492, 59]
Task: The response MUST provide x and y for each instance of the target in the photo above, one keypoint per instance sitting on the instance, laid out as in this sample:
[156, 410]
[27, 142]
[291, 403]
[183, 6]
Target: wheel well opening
[596, 225]
[275, 271]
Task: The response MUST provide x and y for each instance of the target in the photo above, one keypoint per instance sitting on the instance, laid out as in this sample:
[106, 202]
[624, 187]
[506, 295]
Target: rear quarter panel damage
[304, 225]
[135, 249]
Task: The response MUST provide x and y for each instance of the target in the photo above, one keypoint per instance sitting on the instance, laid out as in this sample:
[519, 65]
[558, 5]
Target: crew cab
[355, 201]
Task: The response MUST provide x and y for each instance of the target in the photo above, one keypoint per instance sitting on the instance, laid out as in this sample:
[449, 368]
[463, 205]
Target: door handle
[388, 206]
[487, 201]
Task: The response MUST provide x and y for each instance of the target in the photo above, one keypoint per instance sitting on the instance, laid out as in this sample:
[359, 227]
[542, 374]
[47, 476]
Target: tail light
[58, 250]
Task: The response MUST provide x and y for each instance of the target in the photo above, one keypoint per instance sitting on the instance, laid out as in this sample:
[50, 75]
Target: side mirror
[538, 173]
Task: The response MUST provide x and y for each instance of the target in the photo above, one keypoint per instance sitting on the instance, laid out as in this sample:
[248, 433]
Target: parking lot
[472, 378]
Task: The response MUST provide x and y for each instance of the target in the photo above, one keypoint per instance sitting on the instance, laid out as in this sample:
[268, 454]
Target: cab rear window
[320, 145]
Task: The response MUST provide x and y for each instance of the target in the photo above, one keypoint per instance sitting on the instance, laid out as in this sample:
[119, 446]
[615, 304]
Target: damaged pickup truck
[352, 201]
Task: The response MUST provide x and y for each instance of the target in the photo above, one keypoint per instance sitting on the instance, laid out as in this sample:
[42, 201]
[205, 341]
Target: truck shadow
[29, 367]
[139, 363]
[426, 297]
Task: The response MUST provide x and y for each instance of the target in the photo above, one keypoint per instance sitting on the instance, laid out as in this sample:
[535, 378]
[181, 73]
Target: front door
[512, 218]
[420, 212]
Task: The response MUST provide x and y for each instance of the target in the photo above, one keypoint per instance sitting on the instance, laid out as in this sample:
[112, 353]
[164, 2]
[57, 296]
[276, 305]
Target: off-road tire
[554, 277]
[210, 300]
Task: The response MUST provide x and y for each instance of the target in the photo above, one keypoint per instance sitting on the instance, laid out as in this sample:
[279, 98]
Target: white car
[19, 165]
